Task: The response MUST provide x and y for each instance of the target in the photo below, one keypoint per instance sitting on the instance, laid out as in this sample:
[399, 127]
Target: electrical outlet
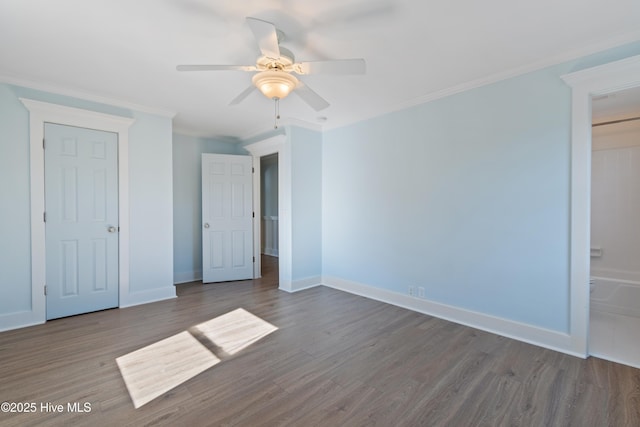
[420, 292]
[412, 291]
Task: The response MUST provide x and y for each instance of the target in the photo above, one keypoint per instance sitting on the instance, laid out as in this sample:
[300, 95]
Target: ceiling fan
[276, 66]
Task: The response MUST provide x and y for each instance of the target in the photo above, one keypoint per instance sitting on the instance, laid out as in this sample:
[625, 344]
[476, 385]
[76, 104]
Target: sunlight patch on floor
[157, 368]
[234, 331]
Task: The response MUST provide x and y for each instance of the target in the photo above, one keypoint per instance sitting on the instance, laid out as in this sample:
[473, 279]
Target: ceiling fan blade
[337, 66]
[238, 99]
[216, 67]
[266, 35]
[310, 97]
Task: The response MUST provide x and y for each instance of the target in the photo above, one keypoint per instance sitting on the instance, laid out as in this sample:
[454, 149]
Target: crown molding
[518, 71]
[65, 91]
[599, 79]
[284, 123]
[503, 75]
[494, 78]
[290, 121]
[219, 138]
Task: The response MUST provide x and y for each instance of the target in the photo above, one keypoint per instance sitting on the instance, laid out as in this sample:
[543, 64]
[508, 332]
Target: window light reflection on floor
[157, 368]
[233, 332]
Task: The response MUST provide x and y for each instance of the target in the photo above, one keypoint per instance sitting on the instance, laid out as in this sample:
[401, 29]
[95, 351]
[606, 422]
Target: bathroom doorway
[615, 228]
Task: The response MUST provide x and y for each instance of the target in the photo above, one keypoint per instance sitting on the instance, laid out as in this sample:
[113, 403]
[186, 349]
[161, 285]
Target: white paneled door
[227, 218]
[81, 203]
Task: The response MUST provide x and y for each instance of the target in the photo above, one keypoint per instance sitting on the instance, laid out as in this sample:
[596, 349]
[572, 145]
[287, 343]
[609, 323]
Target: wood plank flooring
[335, 360]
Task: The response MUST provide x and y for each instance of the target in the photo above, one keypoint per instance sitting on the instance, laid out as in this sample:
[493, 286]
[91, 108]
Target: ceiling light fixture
[275, 84]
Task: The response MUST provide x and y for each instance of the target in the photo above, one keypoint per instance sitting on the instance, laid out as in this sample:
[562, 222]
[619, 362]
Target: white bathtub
[614, 328]
[615, 296]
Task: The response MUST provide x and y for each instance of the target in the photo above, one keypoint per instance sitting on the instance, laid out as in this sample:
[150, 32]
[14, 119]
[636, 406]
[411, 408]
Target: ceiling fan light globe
[275, 84]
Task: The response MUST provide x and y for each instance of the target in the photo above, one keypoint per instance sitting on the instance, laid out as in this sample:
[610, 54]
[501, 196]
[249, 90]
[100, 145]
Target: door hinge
[43, 144]
[253, 170]
[253, 214]
[45, 289]
[254, 259]
[44, 216]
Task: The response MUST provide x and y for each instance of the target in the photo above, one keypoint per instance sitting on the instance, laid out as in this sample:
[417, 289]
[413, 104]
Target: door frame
[272, 145]
[585, 84]
[39, 114]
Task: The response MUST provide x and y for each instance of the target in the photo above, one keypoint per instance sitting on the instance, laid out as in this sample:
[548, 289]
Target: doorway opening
[614, 315]
[275, 144]
[269, 220]
[596, 81]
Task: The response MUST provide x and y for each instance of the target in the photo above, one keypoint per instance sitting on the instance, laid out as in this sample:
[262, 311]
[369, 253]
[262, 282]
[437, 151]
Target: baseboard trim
[187, 276]
[302, 284]
[614, 359]
[23, 319]
[270, 252]
[144, 297]
[540, 337]
[18, 320]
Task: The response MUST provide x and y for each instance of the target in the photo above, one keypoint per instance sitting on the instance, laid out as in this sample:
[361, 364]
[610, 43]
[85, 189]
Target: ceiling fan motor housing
[283, 62]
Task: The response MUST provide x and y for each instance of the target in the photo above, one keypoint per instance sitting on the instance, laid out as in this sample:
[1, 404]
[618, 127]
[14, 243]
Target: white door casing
[39, 114]
[227, 217]
[81, 201]
[600, 80]
[272, 145]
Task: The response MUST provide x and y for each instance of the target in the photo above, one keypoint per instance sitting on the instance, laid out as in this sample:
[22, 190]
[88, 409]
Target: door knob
[206, 225]
[111, 229]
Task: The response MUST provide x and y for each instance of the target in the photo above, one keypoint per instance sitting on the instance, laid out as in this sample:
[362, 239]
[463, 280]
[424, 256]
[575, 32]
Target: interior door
[81, 202]
[227, 215]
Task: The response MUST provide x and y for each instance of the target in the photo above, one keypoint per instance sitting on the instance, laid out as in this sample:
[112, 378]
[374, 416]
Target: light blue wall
[467, 196]
[187, 202]
[150, 201]
[15, 247]
[306, 203]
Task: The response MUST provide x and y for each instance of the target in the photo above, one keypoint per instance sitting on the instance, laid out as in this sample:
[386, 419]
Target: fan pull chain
[277, 112]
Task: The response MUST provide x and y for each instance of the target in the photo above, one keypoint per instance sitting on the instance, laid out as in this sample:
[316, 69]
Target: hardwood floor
[335, 360]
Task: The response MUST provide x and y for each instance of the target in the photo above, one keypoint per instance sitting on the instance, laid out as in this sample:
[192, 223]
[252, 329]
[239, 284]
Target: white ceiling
[125, 51]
